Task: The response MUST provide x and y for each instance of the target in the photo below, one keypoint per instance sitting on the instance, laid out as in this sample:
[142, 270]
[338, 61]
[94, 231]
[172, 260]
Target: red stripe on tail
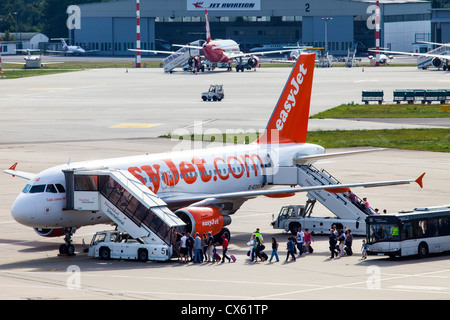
[208, 30]
[289, 120]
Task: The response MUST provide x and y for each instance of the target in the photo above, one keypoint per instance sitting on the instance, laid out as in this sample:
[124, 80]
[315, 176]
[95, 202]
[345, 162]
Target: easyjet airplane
[221, 51]
[211, 183]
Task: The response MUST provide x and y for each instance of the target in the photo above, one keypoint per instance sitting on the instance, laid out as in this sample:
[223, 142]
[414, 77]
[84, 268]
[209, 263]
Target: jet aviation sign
[194, 5]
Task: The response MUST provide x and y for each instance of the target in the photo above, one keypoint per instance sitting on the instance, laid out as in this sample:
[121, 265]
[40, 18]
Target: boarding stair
[181, 57]
[133, 207]
[308, 176]
[338, 203]
[425, 62]
[351, 61]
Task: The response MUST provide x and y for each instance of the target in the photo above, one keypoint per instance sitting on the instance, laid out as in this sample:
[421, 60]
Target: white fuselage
[171, 175]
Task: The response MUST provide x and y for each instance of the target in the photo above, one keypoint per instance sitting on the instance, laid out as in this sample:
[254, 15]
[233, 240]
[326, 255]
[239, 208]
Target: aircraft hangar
[110, 27]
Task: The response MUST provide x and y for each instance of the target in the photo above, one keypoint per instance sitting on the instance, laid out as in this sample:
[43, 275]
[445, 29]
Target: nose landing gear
[67, 248]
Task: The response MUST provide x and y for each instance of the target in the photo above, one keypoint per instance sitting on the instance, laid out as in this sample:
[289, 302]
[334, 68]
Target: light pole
[1, 20]
[326, 19]
[15, 14]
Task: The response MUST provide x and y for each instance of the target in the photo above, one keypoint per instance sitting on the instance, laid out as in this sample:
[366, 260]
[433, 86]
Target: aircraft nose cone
[22, 210]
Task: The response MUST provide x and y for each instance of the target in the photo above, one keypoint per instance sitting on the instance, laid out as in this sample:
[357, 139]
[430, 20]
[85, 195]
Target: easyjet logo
[290, 101]
[197, 169]
[210, 222]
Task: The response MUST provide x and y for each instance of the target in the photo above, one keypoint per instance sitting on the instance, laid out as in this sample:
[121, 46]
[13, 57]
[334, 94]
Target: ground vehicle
[214, 93]
[116, 245]
[419, 232]
[292, 217]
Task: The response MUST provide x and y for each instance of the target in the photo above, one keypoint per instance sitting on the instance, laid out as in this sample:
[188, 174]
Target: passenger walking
[364, 249]
[190, 245]
[225, 249]
[352, 197]
[183, 247]
[259, 235]
[308, 239]
[197, 248]
[333, 242]
[348, 242]
[341, 242]
[176, 240]
[366, 206]
[252, 245]
[210, 243]
[204, 247]
[274, 250]
[215, 255]
[300, 240]
[290, 249]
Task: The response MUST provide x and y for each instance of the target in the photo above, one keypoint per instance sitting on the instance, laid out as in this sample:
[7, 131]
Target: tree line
[46, 16]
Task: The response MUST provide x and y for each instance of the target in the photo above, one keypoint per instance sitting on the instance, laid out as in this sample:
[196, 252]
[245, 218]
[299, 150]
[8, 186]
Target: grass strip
[413, 139]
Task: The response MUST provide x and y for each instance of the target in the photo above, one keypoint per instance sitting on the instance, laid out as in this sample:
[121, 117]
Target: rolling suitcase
[264, 256]
[233, 258]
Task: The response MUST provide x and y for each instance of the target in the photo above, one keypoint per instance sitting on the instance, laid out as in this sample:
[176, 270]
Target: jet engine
[203, 220]
[437, 62]
[253, 62]
[194, 62]
[49, 233]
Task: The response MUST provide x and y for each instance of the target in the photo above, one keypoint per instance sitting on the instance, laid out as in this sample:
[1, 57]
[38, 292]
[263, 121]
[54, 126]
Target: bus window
[432, 227]
[419, 227]
[444, 226]
[383, 232]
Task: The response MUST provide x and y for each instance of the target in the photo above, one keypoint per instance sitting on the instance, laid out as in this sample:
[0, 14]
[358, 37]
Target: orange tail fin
[208, 30]
[289, 120]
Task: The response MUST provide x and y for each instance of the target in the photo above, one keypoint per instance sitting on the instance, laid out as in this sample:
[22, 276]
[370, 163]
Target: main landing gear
[67, 248]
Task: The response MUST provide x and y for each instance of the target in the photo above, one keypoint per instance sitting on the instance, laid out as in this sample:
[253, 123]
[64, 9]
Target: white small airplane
[69, 50]
[32, 61]
[383, 58]
[216, 181]
[221, 51]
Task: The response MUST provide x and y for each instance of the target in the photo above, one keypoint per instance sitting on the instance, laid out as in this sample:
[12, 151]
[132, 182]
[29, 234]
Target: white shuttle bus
[419, 232]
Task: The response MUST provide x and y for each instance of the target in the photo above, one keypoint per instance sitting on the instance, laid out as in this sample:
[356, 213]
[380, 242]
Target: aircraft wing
[335, 188]
[153, 51]
[21, 174]
[45, 63]
[21, 63]
[436, 43]
[440, 56]
[310, 159]
[187, 46]
[262, 53]
[56, 51]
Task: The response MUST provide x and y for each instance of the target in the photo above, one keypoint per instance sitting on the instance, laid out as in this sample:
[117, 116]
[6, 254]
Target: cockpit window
[37, 188]
[27, 188]
[51, 188]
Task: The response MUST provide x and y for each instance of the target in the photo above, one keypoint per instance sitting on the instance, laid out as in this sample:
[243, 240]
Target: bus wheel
[423, 250]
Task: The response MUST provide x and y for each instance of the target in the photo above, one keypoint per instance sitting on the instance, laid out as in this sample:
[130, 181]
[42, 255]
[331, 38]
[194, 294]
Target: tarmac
[103, 113]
